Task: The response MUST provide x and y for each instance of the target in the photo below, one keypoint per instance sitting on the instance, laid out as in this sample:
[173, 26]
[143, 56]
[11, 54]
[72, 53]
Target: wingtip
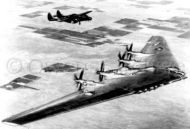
[4, 120]
[89, 11]
[17, 119]
[12, 121]
[7, 120]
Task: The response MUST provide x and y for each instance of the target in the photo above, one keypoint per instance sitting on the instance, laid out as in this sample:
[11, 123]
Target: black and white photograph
[95, 64]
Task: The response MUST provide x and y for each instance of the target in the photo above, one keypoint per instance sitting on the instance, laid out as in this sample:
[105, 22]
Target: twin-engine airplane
[163, 70]
[73, 18]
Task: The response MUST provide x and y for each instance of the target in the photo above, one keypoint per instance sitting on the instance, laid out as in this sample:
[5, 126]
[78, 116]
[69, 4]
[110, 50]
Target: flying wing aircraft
[73, 18]
[91, 92]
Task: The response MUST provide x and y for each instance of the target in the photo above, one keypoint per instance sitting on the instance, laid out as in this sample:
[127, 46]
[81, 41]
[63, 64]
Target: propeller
[121, 57]
[101, 77]
[129, 48]
[77, 79]
[101, 68]
[129, 56]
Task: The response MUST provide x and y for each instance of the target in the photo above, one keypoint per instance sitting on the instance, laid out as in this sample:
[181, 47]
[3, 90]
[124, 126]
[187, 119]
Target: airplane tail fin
[59, 15]
[50, 17]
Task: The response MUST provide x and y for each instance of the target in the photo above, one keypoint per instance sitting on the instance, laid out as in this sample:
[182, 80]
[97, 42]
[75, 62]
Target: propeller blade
[131, 47]
[101, 77]
[129, 56]
[121, 64]
[78, 83]
[79, 86]
[119, 55]
[81, 74]
[102, 66]
[127, 48]
[75, 77]
[123, 56]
